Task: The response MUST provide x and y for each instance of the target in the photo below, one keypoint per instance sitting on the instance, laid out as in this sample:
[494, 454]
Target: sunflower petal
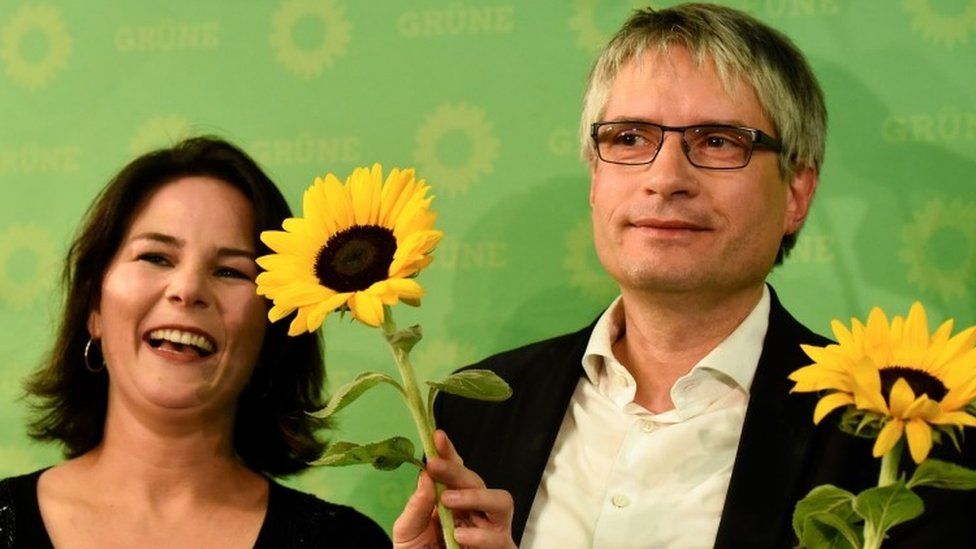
[299, 325]
[919, 435]
[367, 308]
[955, 418]
[959, 396]
[957, 346]
[288, 243]
[867, 387]
[817, 378]
[901, 398]
[923, 408]
[888, 437]
[917, 327]
[823, 355]
[318, 313]
[278, 312]
[830, 403]
[407, 288]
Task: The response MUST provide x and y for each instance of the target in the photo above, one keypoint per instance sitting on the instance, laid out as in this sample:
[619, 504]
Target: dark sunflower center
[919, 381]
[355, 258]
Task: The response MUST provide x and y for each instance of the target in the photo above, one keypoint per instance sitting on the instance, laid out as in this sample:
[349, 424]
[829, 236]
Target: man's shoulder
[784, 326]
[516, 363]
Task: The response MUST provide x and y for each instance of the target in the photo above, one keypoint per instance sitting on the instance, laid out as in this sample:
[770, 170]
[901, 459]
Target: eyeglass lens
[705, 146]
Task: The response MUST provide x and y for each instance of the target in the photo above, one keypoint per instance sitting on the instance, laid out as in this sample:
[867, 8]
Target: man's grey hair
[742, 48]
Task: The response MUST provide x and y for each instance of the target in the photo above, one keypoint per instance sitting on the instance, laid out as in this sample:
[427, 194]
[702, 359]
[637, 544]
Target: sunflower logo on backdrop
[456, 146]
[948, 28]
[940, 248]
[159, 131]
[308, 35]
[27, 253]
[590, 34]
[585, 272]
[33, 63]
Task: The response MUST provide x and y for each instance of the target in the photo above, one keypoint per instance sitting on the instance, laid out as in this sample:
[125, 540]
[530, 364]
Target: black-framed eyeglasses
[711, 146]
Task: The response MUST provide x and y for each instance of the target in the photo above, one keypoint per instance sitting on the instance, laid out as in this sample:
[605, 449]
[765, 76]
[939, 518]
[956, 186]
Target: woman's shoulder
[20, 521]
[298, 519]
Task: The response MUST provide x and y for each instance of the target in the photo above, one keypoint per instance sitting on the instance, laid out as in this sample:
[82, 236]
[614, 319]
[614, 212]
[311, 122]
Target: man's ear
[799, 196]
[593, 163]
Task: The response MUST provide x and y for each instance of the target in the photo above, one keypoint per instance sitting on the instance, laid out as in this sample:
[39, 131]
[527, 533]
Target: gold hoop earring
[87, 363]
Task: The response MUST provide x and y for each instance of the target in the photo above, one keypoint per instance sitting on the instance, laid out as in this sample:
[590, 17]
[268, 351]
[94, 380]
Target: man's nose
[671, 174]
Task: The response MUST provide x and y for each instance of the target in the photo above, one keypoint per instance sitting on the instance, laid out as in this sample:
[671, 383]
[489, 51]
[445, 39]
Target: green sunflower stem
[889, 465]
[424, 424]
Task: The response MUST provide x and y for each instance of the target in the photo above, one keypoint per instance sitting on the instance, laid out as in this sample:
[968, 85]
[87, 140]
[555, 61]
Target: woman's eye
[228, 272]
[154, 258]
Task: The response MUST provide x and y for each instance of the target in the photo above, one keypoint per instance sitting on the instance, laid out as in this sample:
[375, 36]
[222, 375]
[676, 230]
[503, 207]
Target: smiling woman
[172, 396]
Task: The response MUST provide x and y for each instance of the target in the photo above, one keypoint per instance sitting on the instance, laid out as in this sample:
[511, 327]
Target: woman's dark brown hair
[272, 432]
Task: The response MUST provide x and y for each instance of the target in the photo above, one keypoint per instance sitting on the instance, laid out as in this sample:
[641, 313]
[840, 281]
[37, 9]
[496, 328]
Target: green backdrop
[482, 97]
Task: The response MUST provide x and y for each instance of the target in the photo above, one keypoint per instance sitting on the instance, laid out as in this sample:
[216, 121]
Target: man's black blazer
[782, 455]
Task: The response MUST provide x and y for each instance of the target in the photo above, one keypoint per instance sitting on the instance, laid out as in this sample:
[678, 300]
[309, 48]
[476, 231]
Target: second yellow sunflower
[909, 380]
[358, 246]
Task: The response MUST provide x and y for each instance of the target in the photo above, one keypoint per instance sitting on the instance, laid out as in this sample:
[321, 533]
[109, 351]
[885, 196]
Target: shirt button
[620, 500]
[622, 380]
[647, 426]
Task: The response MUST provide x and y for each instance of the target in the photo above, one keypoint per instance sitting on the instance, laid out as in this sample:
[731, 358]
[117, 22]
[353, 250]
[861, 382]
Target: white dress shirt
[620, 476]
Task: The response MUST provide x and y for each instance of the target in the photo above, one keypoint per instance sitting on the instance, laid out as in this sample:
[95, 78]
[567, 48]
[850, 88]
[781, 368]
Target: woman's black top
[294, 520]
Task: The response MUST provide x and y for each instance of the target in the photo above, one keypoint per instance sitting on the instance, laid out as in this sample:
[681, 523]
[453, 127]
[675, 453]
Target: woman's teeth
[179, 338]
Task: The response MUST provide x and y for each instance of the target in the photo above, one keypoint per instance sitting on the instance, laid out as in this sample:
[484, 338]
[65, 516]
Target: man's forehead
[675, 83]
[669, 58]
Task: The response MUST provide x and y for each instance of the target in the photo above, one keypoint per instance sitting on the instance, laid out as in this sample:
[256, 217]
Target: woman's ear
[95, 325]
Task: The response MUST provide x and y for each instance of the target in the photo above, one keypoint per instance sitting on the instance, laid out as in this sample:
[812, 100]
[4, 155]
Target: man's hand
[483, 517]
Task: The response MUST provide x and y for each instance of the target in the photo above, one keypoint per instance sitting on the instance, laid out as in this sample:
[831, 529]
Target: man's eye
[154, 258]
[718, 142]
[629, 139]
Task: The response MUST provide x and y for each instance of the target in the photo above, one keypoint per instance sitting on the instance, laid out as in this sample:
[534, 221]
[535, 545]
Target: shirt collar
[736, 356]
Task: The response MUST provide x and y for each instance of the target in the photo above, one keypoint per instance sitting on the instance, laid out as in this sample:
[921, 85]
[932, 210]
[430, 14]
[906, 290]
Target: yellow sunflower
[907, 378]
[358, 247]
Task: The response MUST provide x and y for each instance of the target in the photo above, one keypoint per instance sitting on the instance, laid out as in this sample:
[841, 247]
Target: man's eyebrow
[705, 122]
[171, 240]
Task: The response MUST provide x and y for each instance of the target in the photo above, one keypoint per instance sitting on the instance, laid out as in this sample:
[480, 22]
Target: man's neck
[666, 335]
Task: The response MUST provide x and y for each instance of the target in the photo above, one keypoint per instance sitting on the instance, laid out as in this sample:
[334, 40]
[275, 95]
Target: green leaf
[949, 431]
[475, 384]
[385, 455]
[942, 474]
[860, 423]
[405, 339]
[345, 395]
[824, 518]
[829, 531]
[886, 506]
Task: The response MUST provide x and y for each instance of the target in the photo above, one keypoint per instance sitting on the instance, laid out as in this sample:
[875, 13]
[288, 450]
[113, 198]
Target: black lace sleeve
[7, 515]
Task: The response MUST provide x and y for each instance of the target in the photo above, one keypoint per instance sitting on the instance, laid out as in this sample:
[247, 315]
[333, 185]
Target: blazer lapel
[539, 413]
[775, 444]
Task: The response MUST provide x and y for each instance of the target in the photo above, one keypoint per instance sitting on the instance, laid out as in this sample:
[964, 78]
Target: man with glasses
[669, 422]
